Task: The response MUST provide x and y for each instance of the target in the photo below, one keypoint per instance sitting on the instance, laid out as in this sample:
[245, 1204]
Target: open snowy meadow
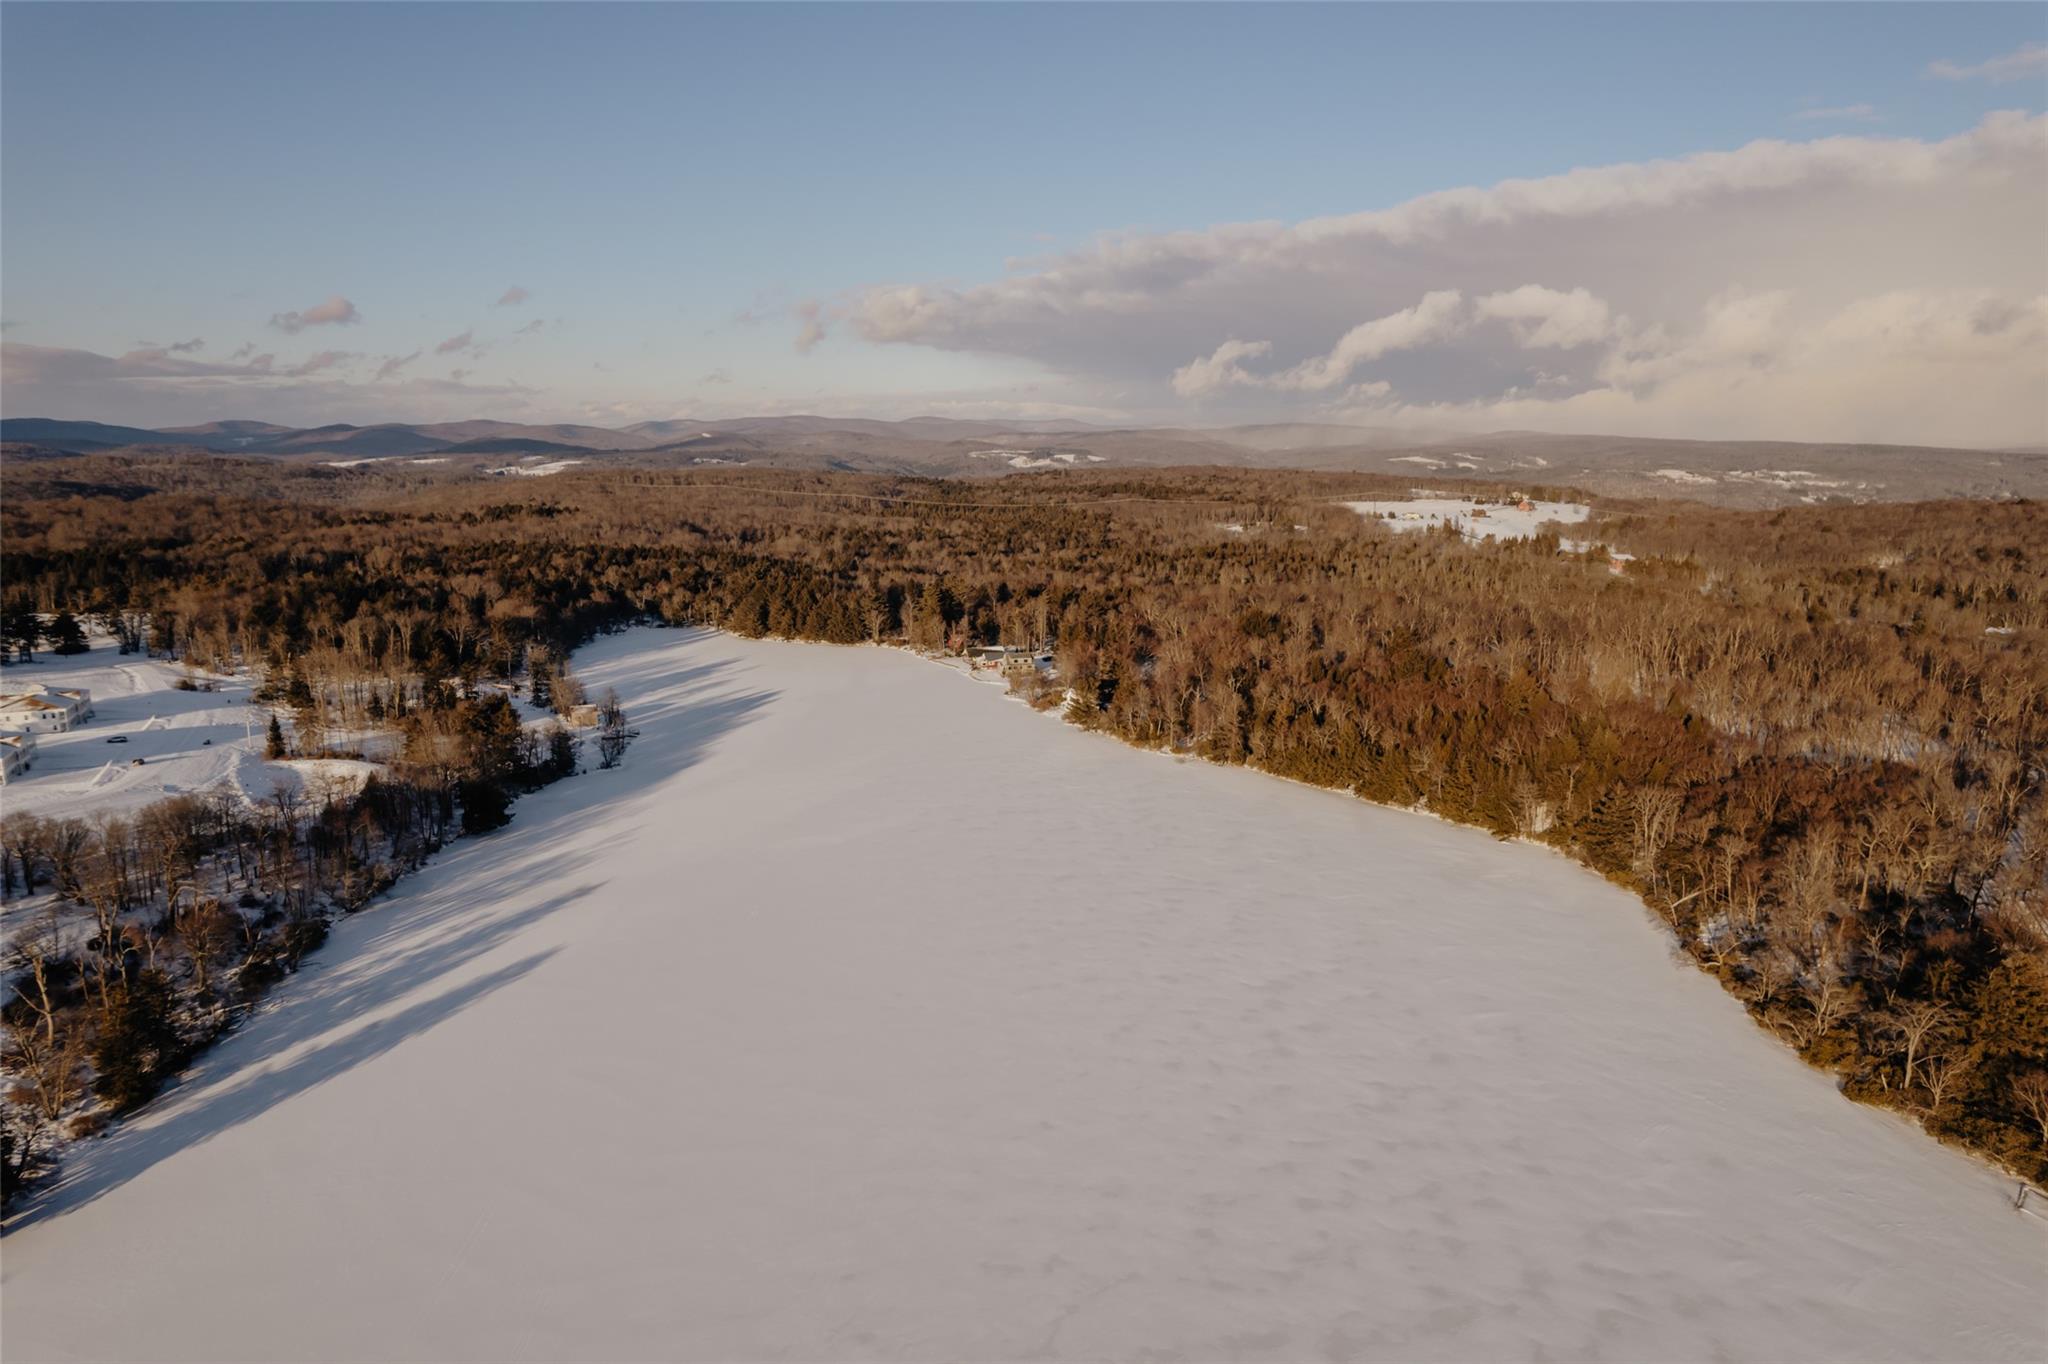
[866, 1014]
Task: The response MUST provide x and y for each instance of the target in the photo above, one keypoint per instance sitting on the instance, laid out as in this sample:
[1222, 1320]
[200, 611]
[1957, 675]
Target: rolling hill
[1732, 473]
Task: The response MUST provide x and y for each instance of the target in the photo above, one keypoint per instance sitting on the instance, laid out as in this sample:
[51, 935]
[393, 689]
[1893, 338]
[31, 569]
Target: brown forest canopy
[1812, 738]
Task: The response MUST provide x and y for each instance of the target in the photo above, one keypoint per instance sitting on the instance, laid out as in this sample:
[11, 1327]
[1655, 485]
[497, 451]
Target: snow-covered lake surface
[1499, 523]
[866, 1014]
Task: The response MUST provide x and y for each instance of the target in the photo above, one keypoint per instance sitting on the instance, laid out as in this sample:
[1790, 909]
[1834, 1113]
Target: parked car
[117, 738]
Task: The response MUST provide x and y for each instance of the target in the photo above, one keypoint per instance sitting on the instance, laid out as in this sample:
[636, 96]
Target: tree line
[1811, 739]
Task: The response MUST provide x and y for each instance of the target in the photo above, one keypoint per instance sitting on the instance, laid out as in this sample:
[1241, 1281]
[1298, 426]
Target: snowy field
[553, 466]
[189, 741]
[866, 1014]
[1499, 523]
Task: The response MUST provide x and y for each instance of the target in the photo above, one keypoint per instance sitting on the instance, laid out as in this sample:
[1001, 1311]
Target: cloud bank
[153, 387]
[1845, 288]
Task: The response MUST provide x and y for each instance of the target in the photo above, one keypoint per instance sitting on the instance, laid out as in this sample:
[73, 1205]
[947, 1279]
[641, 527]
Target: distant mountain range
[1735, 473]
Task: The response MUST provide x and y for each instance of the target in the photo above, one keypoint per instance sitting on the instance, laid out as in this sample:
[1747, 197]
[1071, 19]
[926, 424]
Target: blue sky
[671, 185]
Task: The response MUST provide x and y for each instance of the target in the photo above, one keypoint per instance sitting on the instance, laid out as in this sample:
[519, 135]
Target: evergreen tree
[19, 630]
[273, 743]
[1608, 835]
[65, 635]
[485, 806]
[561, 759]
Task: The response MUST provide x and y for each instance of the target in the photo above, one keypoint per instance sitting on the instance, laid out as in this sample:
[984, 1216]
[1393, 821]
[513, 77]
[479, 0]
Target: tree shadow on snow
[430, 931]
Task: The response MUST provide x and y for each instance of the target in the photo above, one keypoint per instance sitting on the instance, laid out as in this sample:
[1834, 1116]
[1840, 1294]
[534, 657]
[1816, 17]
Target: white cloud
[336, 311]
[1838, 113]
[512, 298]
[326, 359]
[812, 314]
[1438, 316]
[2028, 60]
[1545, 317]
[392, 365]
[1625, 277]
[1748, 367]
[1540, 318]
[1218, 370]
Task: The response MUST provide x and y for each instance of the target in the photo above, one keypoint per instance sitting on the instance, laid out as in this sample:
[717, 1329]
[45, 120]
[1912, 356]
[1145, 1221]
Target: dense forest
[1811, 739]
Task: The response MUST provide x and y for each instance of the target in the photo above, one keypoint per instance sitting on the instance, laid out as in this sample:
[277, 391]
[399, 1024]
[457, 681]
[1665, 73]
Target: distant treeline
[1812, 740]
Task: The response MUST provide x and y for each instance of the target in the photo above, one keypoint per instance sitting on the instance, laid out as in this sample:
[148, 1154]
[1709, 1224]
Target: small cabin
[583, 717]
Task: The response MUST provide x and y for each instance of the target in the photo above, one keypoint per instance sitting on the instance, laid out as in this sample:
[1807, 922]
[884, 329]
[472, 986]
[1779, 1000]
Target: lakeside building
[45, 710]
[17, 753]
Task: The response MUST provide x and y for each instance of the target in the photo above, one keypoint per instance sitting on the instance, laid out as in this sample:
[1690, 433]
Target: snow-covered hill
[864, 1014]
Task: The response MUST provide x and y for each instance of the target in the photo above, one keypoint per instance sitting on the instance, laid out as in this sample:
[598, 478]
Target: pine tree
[1608, 835]
[65, 635]
[19, 630]
[273, 743]
[485, 806]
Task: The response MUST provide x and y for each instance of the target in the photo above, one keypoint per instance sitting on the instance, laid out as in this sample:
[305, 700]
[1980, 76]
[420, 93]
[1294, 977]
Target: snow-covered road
[865, 1014]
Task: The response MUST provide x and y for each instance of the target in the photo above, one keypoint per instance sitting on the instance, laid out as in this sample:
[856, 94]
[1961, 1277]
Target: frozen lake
[866, 1014]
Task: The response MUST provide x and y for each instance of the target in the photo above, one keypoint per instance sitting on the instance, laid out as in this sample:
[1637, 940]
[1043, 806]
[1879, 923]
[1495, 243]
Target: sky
[1812, 222]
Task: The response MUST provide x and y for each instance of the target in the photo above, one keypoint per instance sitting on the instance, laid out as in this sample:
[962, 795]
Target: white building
[45, 710]
[17, 754]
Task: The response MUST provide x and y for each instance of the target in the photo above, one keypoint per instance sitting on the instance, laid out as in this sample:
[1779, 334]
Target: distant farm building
[583, 717]
[1012, 660]
[17, 754]
[45, 710]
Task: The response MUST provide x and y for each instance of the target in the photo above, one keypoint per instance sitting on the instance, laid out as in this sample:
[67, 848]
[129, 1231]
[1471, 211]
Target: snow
[189, 741]
[1682, 476]
[865, 1014]
[553, 466]
[1501, 522]
[1024, 459]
